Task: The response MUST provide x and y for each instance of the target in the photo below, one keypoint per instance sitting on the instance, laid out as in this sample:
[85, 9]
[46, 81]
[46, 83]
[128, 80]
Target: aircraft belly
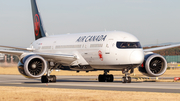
[97, 67]
[112, 67]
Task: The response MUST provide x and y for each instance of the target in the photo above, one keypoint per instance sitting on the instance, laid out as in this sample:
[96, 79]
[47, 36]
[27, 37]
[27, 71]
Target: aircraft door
[54, 45]
[108, 46]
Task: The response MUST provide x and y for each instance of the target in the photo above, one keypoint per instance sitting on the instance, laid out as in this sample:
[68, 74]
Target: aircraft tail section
[38, 25]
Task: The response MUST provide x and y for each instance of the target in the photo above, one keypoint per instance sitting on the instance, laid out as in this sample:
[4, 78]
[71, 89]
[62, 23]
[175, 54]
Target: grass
[55, 94]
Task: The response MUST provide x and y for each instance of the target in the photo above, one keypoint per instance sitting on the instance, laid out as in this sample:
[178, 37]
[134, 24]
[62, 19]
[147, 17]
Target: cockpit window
[128, 45]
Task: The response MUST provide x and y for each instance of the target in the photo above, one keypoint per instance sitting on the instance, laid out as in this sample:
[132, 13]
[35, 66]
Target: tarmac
[91, 83]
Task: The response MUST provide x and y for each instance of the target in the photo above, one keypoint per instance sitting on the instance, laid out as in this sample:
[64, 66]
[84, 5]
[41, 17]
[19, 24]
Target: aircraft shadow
[95, 81]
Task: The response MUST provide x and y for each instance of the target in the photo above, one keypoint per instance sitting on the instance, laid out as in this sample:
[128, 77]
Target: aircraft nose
[137, 57]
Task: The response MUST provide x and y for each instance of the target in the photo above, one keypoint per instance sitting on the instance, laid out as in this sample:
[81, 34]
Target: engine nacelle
[32, 66]
[154, 65]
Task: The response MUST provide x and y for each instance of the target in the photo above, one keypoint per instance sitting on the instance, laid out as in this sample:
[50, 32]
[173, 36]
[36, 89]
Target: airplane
[93, 51]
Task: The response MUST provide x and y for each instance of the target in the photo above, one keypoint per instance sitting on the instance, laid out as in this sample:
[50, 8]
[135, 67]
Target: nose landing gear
[127, 78]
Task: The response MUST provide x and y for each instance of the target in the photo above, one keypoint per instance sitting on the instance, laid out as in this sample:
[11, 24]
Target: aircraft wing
[12, 52]
[161, 48]
[19, 48]
[61, 58]
[18, 51]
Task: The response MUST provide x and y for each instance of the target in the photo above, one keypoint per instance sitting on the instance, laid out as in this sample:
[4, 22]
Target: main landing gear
[49, 78]
[105, 77]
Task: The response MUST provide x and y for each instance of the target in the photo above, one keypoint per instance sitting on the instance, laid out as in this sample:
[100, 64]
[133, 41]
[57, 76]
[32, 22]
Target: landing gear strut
[127, 78]
[105, 77]
[49, 78]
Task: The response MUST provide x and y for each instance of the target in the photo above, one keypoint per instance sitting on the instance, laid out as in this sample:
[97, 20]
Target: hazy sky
[148, 20]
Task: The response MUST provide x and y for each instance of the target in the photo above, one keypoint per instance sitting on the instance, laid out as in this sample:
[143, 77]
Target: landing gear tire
[129, 80]
[52, 78]
[106, 78]
[44, 79]
[126, 79]
[47, 79]
[109, 78]
[101, 78]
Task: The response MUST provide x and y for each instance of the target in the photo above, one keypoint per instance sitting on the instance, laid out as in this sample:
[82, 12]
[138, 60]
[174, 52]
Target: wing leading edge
[60, 58]
[19, 48]
[161, 48]
[11, 52]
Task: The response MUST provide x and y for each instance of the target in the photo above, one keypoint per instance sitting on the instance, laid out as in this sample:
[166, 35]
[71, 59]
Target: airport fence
[172, 59]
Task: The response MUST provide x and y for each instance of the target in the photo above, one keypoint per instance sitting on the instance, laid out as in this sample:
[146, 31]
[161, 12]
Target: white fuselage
[99, 50]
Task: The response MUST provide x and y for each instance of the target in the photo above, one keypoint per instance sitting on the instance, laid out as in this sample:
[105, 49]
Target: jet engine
[154, 65]
[32, 66]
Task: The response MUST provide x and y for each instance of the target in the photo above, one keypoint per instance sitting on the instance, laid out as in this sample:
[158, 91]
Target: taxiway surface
[90, 82]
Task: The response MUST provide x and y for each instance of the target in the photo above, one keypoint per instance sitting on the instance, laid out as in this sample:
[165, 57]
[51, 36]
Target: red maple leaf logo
[36, 24]
[100, 55]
